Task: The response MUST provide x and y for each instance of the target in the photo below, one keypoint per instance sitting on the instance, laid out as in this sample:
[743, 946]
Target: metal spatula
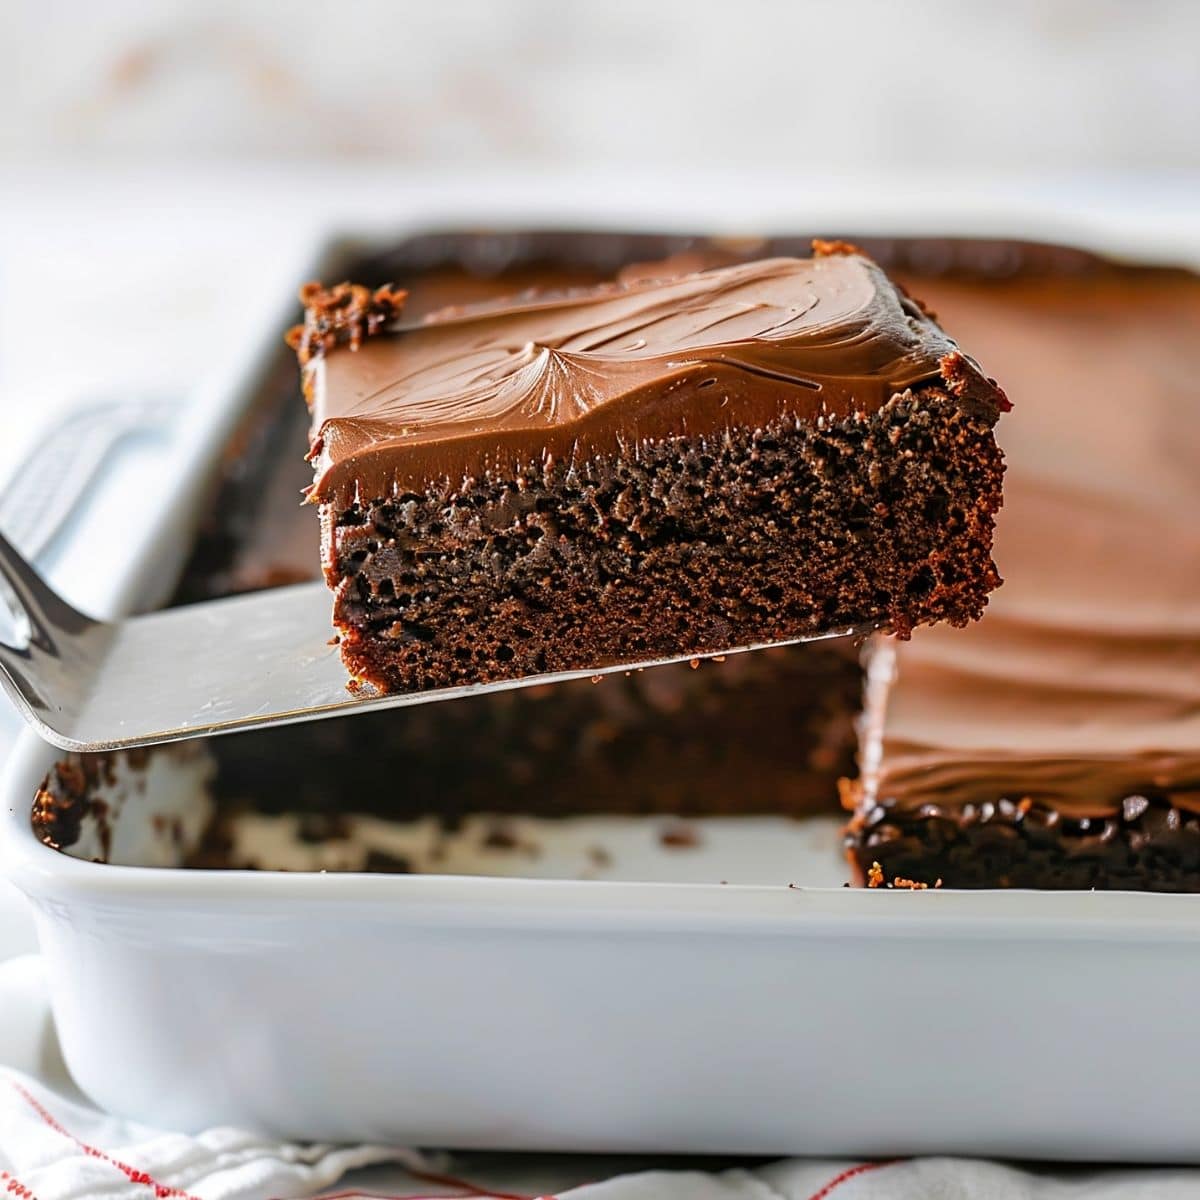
[241, 663]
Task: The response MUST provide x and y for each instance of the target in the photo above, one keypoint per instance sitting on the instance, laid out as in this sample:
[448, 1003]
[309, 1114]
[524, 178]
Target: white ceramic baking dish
[586, 1015]
[650, 1013]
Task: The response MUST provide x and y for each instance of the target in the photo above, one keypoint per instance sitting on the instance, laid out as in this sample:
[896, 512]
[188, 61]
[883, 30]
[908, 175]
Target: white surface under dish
[559, 1013]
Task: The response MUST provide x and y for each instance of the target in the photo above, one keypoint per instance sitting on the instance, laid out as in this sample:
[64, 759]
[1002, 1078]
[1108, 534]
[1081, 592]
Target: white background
[823, 85]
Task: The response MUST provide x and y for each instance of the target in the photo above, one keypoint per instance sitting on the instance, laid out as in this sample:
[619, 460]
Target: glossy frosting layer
[1081, 685]
[492, 387]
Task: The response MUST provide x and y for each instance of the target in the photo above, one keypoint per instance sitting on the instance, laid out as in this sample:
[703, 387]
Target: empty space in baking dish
[157, 809]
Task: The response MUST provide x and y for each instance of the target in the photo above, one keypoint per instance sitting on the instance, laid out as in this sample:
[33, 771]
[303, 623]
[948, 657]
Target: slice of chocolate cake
[772, 451]
[1056, 744]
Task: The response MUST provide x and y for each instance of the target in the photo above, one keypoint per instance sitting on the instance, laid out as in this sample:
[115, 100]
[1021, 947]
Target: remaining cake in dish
[775, 450]
[1056, 744]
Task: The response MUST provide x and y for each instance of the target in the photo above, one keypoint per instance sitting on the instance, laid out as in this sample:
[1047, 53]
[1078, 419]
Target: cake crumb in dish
[679, 837]
[342, 315]
[876, 879]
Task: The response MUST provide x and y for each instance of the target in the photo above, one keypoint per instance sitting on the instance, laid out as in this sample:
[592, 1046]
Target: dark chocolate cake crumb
[387, 864]
[66, 797]
[679, 837]
[500, 837]
[314, 828]
[599, 856]
[504, 837]
[342, 315]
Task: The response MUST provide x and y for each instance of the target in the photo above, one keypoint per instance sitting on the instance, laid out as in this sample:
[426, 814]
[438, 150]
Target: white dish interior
[154, 815]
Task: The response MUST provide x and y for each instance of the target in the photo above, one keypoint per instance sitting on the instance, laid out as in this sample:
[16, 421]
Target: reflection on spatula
[217, 667]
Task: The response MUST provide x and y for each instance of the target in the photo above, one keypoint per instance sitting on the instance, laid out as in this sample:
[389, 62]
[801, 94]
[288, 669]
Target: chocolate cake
[650, 470]
[1053, 744]
[1056, 744]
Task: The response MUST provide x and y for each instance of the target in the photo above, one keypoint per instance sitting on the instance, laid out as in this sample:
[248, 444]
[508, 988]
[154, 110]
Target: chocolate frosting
[1081, 685]
[492, 387]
